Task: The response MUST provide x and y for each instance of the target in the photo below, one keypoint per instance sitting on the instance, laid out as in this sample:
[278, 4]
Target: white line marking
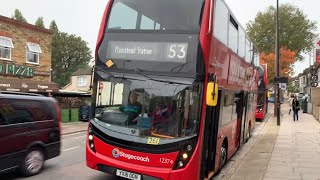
[78, 137]
[70, 149]
[73, 134]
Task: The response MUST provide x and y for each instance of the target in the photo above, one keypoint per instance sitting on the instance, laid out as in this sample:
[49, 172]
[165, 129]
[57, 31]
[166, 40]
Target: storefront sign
[27, 86]
[16, 70]
[41, 73]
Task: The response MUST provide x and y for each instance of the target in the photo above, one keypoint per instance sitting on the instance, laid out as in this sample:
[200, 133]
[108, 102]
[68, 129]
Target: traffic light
[314, 76]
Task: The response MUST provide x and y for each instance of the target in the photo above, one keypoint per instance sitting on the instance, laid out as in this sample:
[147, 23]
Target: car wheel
[33, 162]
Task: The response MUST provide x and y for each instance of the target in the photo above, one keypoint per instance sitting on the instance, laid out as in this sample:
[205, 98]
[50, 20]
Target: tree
[53, 26]
[18, 16]
[287, 59]
[296, 30]
[69, 53]
[40, 22]
[292, 89]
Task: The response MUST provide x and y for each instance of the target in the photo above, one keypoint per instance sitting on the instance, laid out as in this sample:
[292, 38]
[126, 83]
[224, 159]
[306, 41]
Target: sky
[83, 17]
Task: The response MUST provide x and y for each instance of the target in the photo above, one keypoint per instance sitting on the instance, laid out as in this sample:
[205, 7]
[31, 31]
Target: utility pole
[277, 87]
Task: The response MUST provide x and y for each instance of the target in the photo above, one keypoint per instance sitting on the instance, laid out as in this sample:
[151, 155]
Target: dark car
[29, 132]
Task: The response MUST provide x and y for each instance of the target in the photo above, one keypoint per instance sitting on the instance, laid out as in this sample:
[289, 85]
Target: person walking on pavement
[295, 108]
[290, 102]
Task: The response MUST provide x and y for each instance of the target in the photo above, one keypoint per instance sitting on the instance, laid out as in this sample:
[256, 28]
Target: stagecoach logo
[117, 153]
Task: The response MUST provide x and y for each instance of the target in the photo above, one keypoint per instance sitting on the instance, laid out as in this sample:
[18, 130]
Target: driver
[133, 109]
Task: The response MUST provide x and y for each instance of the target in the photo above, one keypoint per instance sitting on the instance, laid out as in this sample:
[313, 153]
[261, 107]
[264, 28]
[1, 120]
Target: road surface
[70, 165]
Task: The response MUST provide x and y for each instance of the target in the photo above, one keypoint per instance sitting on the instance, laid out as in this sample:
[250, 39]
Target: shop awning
[27, 85]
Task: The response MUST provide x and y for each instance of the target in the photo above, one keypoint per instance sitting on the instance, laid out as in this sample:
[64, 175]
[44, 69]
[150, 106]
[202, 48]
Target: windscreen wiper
[103, 70]
[150, 78]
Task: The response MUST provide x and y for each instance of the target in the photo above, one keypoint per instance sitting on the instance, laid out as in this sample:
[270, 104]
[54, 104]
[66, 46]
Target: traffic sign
[283, 86]
[317, 58]
[281, 79]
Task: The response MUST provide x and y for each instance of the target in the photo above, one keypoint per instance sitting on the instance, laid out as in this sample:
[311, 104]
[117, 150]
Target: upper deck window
[164, 15]
[221, 22]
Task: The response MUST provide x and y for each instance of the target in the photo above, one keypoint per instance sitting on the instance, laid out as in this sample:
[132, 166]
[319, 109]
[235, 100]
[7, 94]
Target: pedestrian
[295, 108]
[290, 102]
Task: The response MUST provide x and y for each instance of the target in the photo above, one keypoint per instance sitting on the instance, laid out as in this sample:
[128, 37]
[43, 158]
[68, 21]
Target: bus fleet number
[166, 161]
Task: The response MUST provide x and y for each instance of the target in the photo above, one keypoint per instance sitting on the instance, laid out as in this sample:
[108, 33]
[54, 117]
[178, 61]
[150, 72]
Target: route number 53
[177, 51]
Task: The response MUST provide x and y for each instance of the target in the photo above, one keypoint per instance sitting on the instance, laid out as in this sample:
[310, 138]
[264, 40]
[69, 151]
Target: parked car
[30, 131]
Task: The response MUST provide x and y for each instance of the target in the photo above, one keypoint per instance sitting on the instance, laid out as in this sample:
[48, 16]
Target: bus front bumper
[108, 165]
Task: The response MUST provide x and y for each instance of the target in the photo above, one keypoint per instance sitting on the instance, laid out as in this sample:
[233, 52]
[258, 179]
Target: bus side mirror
[212, 94]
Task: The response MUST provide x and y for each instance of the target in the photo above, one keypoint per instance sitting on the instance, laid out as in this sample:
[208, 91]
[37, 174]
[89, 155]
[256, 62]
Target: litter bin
[84, 113]
[304, 106]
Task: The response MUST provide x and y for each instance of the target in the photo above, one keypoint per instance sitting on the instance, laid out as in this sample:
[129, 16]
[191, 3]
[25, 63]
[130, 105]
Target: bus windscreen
[180, 15]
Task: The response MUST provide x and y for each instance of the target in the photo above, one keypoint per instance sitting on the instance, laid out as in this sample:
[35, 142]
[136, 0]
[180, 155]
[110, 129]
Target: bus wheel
[223, 155]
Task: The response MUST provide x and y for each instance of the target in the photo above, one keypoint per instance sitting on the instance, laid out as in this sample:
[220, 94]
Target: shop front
[21, 78]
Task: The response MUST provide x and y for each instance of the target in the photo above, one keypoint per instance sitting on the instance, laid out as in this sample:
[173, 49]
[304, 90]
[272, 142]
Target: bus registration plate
[128, 175]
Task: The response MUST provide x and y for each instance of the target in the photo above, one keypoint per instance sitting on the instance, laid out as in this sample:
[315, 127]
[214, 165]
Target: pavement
[291, 151]
[70, 128]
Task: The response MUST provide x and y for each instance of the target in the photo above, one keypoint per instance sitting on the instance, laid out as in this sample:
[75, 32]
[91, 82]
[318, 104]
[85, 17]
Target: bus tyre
[33, 162]
[223, 155]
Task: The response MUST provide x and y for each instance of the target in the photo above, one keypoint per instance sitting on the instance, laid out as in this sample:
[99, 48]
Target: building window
[33, 53]
[82, 81]
[5, 48]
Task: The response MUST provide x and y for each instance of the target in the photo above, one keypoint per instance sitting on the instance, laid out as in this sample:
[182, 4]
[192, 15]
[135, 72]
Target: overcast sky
[83, 17]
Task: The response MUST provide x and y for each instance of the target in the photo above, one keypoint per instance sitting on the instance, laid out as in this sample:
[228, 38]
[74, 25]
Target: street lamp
[277, 101]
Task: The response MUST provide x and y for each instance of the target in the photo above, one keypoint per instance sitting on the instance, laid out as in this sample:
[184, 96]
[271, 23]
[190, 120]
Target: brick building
[25, 57]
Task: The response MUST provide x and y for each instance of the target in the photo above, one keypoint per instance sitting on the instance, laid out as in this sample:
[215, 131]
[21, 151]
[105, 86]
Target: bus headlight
[185, 154]
[90, 139]
[180, 164]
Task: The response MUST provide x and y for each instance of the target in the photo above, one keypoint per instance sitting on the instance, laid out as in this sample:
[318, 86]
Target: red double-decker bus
[179, 89]
[262, 104]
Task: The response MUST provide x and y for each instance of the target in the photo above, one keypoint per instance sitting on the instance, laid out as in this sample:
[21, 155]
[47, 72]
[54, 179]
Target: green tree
[40, 22]
[296, 30]
[18, 16]
[69, 53]
[54, 27]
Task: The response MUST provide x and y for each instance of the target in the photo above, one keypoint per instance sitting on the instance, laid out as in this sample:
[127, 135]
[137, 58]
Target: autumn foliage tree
[287, 59]
[297, 31]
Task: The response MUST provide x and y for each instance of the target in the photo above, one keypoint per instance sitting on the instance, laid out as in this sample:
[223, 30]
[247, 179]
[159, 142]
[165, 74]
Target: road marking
[70, 148]
[78, 137]
[73, 134]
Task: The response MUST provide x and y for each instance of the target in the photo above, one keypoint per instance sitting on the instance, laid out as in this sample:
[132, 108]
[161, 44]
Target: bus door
[210, 140]
[242, 115]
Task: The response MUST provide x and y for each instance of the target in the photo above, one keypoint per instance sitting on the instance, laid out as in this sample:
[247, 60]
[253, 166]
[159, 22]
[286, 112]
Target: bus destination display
[148, 51]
